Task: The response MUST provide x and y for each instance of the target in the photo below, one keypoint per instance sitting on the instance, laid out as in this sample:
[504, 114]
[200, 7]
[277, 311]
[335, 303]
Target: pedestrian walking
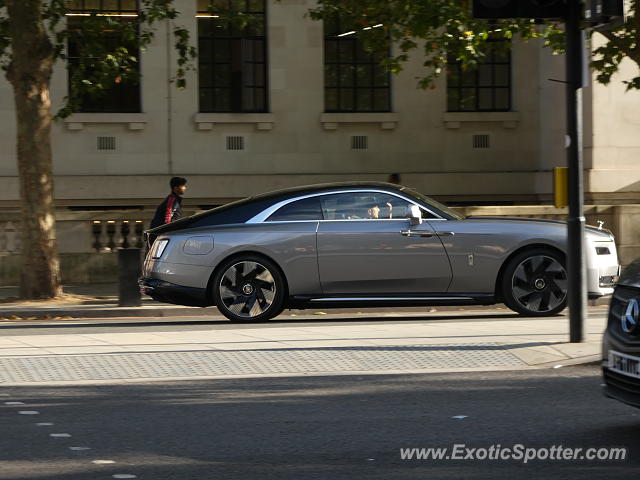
[171, 207]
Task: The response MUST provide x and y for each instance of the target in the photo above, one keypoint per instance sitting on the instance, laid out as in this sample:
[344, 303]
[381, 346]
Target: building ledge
[331, 121]
[134, 121]
[456, 119]
[262, 121]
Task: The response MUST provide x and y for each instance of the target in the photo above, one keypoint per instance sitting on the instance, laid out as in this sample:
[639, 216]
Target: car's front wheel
[535, 283]
[248, 288]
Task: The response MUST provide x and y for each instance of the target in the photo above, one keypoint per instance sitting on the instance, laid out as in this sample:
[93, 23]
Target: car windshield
[431, 202]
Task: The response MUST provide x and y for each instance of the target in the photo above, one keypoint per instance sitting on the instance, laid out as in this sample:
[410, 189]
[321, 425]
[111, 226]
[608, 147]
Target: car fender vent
[235, 142]
[106, 143]
[480, 140]
[359, 142]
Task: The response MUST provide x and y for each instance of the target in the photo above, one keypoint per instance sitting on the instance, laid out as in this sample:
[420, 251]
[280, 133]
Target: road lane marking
[28, 412]
[59, 435]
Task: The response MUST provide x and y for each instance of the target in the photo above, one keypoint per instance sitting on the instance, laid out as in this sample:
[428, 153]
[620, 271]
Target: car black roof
[242, 210]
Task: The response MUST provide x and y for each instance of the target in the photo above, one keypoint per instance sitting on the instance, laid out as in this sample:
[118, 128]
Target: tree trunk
[30, 73]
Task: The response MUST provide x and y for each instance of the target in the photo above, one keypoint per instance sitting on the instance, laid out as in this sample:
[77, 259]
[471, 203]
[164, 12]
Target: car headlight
[158, 247]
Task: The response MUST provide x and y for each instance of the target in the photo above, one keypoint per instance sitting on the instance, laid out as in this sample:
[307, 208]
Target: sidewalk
[101, 301]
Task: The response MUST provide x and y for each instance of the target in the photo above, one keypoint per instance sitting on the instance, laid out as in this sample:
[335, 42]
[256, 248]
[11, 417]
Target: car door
[366, 246]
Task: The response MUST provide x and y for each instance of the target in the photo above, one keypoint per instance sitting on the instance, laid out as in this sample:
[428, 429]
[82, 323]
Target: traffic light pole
[577, 294]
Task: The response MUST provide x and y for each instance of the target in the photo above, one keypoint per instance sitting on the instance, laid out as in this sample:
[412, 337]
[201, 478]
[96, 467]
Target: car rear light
[159, 247]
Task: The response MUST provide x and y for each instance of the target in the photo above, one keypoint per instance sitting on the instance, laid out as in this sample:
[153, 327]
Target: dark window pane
[330, 52]
[345, 52]
[364, 75]
[501, 73]
[502, 99]
[485, 99]
[121, 95]
[331, 99]
[205, 75]
[346, 100]
[468, 99]
[221, 99]
[381, 101]
[346, 78]
[453, 99]
[221, 75]
[485, 75]
[330, 76]
[238, 58]
[259, 76]
[486, 88]
[380, 76]
[354, 79]
[306, 209]
[206, 100]
[468, 78]
[364, 100]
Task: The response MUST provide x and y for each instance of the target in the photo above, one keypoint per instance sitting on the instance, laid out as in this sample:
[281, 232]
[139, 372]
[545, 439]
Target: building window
[232, 56]
[354, 80]
[484, 89]
[117, 21]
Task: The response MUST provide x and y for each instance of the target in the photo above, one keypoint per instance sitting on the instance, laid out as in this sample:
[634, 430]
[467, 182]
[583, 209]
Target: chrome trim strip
[262, 216]
[358, 299]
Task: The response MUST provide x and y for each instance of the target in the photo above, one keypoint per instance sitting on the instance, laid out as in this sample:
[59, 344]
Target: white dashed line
[28, 412]
[59, 435]
[124, 475]
[14, 403]
[45, 424]
[78, 449]
[102, 462]
[459, 417]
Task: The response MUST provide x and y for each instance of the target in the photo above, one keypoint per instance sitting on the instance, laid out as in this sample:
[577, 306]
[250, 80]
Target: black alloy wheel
[249, 288]
[535, 283]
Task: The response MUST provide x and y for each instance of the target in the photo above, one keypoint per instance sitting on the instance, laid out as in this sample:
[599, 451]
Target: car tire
[249, 288]
[535, 283]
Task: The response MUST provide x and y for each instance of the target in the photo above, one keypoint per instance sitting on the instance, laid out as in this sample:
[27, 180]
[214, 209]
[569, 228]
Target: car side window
[305, 209]
[363, 205]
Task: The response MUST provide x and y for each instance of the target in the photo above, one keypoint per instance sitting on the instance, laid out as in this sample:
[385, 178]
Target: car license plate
[624, 364]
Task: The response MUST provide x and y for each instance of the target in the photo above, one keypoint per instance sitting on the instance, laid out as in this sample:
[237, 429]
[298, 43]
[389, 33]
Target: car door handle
[416, 233]
[445, 234]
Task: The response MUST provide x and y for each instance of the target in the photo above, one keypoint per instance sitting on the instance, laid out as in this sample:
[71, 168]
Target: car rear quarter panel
[479, 248]
[291, 245]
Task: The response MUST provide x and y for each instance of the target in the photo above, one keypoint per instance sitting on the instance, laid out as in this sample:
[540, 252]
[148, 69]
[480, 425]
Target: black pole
[575, 252]
[128, 273]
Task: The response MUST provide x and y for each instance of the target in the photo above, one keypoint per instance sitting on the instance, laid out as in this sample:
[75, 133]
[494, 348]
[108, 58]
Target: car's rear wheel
[535, 283]
[248, 288]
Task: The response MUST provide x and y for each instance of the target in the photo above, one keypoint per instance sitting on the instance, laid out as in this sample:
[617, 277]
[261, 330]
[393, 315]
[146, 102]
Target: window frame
[454, 68]
[237, 90]
[334, 42]
[120, 98]
[266, 213]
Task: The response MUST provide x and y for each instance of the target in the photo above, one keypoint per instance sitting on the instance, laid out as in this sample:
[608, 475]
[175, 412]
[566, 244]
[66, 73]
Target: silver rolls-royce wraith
[364, 244]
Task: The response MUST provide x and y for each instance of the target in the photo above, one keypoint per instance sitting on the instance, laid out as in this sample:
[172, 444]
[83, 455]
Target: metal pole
[577, 295]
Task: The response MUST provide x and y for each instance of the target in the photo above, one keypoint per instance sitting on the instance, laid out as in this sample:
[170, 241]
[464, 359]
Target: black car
[621, 342]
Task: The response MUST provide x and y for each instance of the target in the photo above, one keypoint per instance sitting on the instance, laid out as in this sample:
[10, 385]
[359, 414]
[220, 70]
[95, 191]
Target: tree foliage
[444, 30]
[101, 64]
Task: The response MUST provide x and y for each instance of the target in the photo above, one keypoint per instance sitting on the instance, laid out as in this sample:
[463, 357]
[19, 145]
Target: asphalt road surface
[341, 427]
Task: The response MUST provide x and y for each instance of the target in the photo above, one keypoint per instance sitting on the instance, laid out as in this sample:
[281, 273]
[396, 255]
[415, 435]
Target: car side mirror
[415, 215]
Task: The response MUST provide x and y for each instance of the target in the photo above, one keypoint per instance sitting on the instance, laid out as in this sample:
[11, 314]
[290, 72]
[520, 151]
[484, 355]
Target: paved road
[345, 427]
